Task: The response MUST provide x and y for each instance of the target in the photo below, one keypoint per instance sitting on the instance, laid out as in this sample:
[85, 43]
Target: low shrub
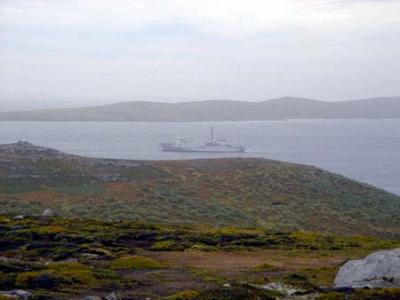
[331, 296]
[55, 275]
[167, 246]
[239, 293]
[49, 230]
[7, 280]
[4, 219]
[205, 248]
[376, 294]
[184, 295]
[266, 268]
[35, 279]
[135, 262]
[3, 297]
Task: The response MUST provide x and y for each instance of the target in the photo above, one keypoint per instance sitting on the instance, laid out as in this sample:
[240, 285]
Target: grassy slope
[243, 192]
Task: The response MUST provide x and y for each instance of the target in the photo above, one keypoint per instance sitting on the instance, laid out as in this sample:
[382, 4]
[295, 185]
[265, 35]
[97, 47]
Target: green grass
[135, 262]
[56, 274]
[184, 295]
[265, 267]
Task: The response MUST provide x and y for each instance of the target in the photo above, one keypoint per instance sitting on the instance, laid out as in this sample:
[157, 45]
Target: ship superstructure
[211, 146]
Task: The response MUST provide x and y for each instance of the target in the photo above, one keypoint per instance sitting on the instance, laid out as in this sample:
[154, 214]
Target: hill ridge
[218, 110]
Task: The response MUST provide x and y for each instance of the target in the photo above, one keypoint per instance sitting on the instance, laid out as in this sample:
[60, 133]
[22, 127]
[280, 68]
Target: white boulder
[48, 212]
[16, 294]
[379, 269]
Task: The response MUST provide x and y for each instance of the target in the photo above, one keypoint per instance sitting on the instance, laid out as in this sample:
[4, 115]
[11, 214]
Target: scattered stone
[17, 294]
[285, 289]
[19, 217]
[48, 212]
[68, 260]
[377, 270]
[311, 296]
[90, 256]
[112, 296]
[226, 285]
[100, 252]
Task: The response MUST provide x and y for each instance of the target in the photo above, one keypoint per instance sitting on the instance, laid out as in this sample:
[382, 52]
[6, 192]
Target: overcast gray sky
[82, 52]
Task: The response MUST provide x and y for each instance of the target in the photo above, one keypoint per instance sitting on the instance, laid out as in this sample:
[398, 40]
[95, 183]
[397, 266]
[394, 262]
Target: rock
[112, 296]
[101, 252]
[379, 269]
[17, 294]
[19, 217]
[90, 256]
[285, 289]
[48, 212]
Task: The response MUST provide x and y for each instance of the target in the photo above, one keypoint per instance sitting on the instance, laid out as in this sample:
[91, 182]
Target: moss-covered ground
[58, 258]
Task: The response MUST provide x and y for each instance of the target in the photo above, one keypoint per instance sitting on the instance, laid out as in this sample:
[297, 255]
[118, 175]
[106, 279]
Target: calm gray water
[365, 150]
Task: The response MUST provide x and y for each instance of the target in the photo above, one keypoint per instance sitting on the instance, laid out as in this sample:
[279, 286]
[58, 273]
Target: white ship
[212, 146]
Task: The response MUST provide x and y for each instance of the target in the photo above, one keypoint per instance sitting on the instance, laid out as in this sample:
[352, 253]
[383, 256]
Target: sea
[364, 150]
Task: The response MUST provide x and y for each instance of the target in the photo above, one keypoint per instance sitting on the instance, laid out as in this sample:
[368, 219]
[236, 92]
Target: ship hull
[203, 150]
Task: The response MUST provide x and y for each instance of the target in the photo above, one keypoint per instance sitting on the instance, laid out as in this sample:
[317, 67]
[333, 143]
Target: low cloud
[183, 49]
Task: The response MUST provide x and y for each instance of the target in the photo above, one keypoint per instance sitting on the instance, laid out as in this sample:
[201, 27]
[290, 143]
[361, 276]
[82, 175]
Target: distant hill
[218, 110]
[223, 192]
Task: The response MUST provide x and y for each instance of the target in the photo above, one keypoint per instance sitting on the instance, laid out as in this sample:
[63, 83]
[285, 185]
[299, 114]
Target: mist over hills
[218, 110]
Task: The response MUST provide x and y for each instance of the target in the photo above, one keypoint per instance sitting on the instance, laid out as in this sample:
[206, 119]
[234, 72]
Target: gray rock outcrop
[379, 269]
[48, 212]
[16, 294]
[112, 296]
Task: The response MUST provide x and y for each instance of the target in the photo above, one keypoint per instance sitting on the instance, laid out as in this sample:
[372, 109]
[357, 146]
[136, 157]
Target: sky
[56, 53]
